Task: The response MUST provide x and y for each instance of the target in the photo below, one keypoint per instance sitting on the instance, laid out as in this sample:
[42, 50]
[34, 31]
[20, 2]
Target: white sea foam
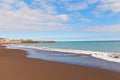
[115, 57]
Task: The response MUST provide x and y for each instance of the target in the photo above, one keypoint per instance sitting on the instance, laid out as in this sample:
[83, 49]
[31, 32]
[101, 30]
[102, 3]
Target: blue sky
[61, 20]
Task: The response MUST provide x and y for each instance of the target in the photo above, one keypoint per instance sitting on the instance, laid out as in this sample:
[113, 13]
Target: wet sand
[15, 66]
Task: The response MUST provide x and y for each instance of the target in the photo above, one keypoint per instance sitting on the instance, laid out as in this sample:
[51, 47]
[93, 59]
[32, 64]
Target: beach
[16, 66]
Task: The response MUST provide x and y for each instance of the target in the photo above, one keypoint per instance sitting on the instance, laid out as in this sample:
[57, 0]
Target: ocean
[97, 54]
[102, 46]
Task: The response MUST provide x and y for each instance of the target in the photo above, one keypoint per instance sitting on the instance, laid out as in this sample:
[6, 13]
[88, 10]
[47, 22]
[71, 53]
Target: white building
[2, 40]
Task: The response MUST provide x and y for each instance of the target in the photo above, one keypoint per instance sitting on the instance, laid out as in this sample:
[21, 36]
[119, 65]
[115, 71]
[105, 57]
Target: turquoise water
[102, 46]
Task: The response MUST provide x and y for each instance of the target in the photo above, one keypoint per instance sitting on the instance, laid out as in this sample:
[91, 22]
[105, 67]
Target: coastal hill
[17, 41]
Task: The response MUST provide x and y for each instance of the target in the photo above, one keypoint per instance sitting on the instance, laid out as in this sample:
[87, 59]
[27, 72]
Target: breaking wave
[114, 57]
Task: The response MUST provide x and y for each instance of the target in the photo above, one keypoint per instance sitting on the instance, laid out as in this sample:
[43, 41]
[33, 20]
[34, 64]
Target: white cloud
[17, 15]
[113, 5]
[34, 27]
[102, 5]
[63, 17]
[105, 5]
[108, 7]
[92, 1]
[85, 20]
[107, 28]
[25, 18]
[77, 6]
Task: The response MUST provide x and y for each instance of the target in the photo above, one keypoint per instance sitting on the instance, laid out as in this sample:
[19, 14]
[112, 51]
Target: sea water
[98, 54]
[102, 46]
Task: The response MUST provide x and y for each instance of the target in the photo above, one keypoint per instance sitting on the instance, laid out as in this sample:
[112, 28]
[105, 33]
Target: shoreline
[16, 66]
[108, 56]
[74, 57]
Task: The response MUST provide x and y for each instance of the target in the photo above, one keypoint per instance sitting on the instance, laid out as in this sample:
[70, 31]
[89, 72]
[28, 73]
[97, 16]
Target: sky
[60, 20]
